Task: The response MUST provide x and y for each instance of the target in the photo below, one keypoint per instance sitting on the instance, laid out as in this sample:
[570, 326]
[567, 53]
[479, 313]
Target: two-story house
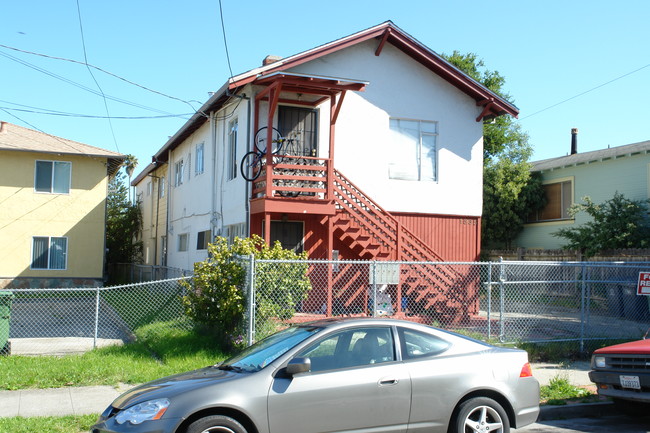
[53, 209]
[568, 179]
[381, 158]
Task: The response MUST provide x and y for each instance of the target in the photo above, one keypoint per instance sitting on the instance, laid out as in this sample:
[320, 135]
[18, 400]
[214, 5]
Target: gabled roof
[387, 32]
[20, 139]
[642, 147]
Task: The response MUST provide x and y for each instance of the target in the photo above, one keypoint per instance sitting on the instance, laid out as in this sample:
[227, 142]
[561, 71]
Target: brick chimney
[270, 59]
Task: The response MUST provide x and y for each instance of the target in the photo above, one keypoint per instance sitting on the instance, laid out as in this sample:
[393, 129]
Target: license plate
[630, 382]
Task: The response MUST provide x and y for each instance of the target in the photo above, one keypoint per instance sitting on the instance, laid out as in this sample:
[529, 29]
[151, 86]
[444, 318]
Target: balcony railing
[294, 177]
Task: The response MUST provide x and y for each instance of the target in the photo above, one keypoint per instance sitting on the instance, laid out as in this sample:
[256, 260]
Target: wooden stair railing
[373, 232]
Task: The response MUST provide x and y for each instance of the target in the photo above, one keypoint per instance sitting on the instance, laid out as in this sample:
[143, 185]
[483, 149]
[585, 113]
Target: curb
[580, 410]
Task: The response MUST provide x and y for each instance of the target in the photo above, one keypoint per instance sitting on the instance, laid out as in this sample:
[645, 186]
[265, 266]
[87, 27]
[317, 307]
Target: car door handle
[388, 381]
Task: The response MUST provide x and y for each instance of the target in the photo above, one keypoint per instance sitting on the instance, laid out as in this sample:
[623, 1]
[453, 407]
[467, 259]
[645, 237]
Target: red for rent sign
[644, 284]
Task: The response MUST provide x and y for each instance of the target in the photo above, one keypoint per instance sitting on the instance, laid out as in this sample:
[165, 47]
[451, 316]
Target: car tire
[216, 424]
[474, 414]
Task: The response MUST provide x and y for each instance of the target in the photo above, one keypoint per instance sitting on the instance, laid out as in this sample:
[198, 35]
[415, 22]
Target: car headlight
[148, 410]
[599, 362]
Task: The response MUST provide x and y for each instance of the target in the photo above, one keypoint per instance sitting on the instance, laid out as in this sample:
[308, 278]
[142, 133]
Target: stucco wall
[79, 215]
[399, 87]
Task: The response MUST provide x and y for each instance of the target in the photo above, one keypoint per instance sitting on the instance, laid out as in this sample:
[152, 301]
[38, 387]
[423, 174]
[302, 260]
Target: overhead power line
[103, 71]
[585, 92]
[90, 71]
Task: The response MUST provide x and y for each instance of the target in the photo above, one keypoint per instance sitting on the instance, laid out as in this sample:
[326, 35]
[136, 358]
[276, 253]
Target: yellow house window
[49, 252]
[52, 177]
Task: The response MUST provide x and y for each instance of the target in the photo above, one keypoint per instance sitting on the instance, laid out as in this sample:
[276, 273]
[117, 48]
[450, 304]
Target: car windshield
[264, 352]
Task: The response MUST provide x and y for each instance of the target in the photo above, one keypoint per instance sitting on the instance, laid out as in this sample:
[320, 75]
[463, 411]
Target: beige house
[52, 209]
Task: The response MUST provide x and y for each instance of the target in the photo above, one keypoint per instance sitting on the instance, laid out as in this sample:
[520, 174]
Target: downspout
[247, 190]
[213, 206]
[169, 205]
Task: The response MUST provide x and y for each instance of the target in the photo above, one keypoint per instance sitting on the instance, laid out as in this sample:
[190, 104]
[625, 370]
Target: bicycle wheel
[261, 138]
[251, 166]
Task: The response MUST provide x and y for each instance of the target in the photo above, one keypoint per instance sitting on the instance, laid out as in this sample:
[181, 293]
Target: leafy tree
[216, 295]
[615, 224]
[123, 224]
[510, 191]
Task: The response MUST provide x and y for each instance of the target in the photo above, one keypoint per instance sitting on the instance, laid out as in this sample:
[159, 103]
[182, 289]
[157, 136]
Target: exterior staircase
[374, 234]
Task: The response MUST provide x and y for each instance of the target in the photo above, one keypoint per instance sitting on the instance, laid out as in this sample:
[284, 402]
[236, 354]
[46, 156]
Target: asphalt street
[605, 424]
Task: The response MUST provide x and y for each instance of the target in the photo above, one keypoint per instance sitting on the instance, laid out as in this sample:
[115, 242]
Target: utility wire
[90, 71]
[225, 43]
[91, 116]
[81, 86]
[585, 92]
[62, 141]
[104, 71]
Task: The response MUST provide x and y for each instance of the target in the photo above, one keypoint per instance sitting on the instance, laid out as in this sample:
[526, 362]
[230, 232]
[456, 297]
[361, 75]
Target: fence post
[502, 279]
[489, 301]
[374, 288]
[582, 308]
[251, 299]
[96, 319]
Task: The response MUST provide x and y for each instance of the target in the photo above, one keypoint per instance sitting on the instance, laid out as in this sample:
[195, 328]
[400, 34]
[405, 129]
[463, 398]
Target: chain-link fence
[61, 321]
[497, 301]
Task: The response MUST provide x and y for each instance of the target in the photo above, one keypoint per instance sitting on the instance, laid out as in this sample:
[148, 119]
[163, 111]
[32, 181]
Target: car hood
[633, 347]
[168, 387]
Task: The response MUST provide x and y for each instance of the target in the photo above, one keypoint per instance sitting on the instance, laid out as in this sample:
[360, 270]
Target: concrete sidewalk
[82, 400]
[94, 399]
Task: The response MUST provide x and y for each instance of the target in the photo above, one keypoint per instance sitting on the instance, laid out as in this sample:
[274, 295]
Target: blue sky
[548, 51]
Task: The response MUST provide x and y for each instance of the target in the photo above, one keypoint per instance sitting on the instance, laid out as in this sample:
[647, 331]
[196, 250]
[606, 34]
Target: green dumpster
[6, 298]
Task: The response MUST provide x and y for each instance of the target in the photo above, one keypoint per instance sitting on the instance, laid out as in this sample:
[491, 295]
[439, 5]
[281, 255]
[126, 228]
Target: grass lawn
[52, 424]
[160, 349]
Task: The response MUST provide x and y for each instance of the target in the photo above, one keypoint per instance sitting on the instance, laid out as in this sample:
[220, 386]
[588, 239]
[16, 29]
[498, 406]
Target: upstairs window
[179, 172]
[199, 164]
[52, 177]
[413, 150]
[161, 187]
[49, 252]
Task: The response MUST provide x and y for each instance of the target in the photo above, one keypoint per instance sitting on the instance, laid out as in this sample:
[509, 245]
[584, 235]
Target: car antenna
[646, 334]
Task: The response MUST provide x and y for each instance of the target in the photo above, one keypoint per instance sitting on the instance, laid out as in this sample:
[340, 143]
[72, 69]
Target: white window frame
[50, 245]
[179, 172]
[199, 160]
[233, 128]
[399, 167]
[149, 188]
[53, 178]
[183, 242]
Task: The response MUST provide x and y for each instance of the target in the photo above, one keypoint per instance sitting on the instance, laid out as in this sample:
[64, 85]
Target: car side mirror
[298, 365]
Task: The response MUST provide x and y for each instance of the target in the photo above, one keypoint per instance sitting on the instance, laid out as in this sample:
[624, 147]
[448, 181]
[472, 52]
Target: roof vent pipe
[574, 141]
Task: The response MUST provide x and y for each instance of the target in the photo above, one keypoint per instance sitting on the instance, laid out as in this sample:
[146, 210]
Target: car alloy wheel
[481, 415]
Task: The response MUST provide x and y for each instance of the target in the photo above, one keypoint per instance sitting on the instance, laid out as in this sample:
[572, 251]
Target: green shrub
[216, 295]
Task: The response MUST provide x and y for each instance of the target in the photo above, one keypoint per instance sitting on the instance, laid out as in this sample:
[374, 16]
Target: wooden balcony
[295, 184]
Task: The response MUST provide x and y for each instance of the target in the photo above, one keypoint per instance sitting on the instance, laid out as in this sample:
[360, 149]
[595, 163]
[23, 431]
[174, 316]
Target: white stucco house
[384, 162]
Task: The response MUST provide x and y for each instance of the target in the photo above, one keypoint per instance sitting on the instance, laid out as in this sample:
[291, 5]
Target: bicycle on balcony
[251, 164]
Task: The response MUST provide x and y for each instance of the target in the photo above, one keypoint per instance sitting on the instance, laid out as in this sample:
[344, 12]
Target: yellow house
[52, 209]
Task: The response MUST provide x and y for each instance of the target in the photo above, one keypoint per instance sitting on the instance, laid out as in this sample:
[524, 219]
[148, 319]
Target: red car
[622, 372]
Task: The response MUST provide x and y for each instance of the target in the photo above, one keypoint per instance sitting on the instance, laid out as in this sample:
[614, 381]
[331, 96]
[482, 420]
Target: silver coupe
[341, 375]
